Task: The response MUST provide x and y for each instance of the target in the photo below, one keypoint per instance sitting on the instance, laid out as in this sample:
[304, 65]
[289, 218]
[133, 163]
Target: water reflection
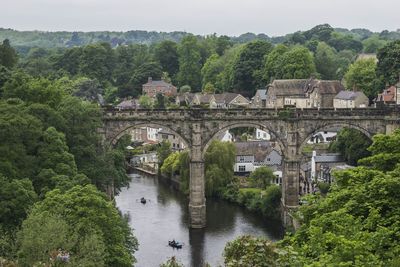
[165, 217]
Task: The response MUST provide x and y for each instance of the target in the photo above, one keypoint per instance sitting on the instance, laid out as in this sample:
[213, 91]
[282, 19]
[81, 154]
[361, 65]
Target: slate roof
[253, 148]
[225, 97]
[348, 95]
[128, 103]
[299, 87]
[327, 158]
[262, 93]
[158, 83]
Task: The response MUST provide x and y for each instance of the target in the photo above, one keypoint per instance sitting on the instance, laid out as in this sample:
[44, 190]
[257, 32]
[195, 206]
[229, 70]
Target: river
[165, 217]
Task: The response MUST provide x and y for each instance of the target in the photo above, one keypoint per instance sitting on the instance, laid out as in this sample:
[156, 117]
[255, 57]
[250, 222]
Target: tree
[160, 101]
[352, 144]
[145, 101]
[297, 63]
[211, 69]
[361, 76]
[247, 74]
[209, 88]
[8, 55]
[373, 44]
[189, 63]
[163, 151]
[16, 198]
[250, 251]
[88, 217]
[320, 32]
[341, 42]
[185, 89]
[222, 43]
[262, 177]
[389, 62]
[140, 76]
[166, 53]
[326, 61]
[219, 161]
[272, 63]
[97, 62]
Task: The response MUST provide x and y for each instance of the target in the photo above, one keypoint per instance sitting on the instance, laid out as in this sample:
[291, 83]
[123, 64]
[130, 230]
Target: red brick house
[152, 88]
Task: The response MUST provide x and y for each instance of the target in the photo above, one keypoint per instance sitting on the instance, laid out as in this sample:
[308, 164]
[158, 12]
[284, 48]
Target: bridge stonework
[290, 128]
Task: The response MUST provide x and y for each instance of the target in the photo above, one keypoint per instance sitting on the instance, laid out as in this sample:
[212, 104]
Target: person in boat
[143, 200]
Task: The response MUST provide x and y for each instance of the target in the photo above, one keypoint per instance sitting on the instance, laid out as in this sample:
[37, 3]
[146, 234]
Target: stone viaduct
[290, 127]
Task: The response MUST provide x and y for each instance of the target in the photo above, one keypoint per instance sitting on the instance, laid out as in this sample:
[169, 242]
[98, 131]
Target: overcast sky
[231, 17]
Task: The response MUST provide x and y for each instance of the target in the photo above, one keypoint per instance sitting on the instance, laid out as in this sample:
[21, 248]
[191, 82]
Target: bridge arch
[214, 135]
[123, 130]
[308, 135]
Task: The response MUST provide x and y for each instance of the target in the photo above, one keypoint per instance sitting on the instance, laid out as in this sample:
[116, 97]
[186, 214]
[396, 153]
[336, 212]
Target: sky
[229, 17]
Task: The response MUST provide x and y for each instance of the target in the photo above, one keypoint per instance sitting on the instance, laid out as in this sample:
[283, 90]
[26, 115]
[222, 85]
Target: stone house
[350, 99]
[228, 100]
[390, 95]
[254, 154]
[128, 104]
[259, 100]
[176, 142]
[302, 93]
[152, 88]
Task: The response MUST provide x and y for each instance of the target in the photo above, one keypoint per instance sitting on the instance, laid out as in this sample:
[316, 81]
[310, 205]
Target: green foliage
[219, 161]
[389, 62]
[77, 221]
[385, 152]
[262, 177]
[250, 251]
[373, 44]
[8, 55]
[163, 151]
[326, 61]
[166, 53]
[247, 70]
[351, 144]
[356, 224]
[161, 101]
[16, 198]
[361, 76]
[145, 101]
[189, 63]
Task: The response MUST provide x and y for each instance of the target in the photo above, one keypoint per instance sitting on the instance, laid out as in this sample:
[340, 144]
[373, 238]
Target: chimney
[149, 80]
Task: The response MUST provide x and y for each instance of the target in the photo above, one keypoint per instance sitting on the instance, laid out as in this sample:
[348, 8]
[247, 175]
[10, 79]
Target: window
[241, 158]
[242, 168]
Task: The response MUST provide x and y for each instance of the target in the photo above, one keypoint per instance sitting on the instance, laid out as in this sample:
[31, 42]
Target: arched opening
[327, 148]
[148, 145]
[256, 146]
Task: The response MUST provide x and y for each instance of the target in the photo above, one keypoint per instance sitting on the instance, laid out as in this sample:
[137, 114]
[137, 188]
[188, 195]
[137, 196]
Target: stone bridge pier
[197, 200]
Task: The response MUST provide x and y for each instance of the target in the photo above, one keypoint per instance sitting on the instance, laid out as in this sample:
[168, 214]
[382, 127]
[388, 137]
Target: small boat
[143, 200]
[175, 244]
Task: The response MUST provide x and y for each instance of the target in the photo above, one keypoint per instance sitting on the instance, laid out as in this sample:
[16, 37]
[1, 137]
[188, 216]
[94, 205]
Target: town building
[254, 154]
[261, 135]
[259, 100]
[302, 93]
[128, 104]
[176, 142]
[228, 100]
[152, 88]
[147, 135]
[322, 137]
[390, 95]
[350, 99]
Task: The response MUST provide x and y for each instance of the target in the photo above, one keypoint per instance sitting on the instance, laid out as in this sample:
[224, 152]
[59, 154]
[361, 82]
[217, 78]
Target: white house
[262, 135]
[322, 137]
[255, 154]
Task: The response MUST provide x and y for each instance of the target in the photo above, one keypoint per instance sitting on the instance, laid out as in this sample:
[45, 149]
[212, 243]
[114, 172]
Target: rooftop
[348, 95]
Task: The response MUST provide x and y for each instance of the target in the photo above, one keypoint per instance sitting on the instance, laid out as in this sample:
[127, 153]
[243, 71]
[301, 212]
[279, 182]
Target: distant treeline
[23, 40]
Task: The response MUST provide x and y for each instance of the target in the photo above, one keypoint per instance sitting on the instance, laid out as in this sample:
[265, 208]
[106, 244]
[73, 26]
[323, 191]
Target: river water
[165, 217]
